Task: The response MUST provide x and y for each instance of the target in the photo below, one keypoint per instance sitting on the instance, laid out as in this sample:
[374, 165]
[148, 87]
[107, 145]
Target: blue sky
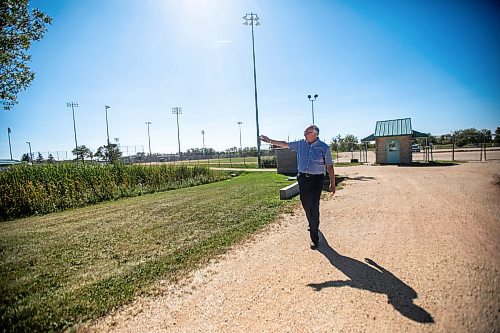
[436, 62]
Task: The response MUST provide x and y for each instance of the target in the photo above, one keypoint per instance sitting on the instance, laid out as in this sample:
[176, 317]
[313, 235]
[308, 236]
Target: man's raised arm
[281, 144]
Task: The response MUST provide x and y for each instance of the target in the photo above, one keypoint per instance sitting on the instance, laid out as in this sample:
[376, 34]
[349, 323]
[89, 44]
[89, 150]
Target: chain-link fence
[228, 159]
[467, 148]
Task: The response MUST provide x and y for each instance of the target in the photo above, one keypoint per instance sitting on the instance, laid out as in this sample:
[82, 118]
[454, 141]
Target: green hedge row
[39, 189]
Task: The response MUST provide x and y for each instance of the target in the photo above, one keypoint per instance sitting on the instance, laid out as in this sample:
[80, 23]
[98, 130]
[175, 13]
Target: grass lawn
[237, 162]
[64, 268]
[250, 163]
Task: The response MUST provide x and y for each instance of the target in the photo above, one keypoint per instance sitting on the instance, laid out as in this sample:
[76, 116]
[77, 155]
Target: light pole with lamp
[149, 138]
[252, 19]
[177, 111]
[203, 136]
[73, 105]
[10, 148]
[312, 104]
[106, 107]
[241, 147]
[31, 154]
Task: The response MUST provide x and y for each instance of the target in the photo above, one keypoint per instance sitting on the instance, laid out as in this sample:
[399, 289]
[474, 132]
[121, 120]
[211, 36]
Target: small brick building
[393, 140]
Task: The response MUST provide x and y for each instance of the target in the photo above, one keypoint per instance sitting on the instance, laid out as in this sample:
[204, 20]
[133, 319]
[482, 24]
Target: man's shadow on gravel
[377, 280]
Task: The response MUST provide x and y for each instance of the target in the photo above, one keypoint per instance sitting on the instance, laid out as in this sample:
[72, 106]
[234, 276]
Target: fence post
[453, 148]
[484, 148]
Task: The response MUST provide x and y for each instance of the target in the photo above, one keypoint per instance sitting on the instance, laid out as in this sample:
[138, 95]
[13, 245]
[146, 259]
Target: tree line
[462, 137]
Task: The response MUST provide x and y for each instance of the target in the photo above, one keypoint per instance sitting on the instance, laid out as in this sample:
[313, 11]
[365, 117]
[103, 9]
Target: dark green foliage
[26, 190]
[81, 152]
[268, 162]
[19, 26]
[109, 152]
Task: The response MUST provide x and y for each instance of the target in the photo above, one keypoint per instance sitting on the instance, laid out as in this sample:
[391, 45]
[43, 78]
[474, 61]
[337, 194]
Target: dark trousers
[310, 187]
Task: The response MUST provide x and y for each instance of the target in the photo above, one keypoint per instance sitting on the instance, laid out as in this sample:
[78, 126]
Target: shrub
[39, 189]
[269, 162]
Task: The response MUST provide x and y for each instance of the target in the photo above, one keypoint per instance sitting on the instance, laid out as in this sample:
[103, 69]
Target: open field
[59, 269]
[463, 154]
[403, 249]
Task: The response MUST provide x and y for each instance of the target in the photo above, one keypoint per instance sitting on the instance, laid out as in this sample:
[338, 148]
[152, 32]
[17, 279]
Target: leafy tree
[109, 152]
[334, 143]
[50, 159]
[346, 143]
[19, 27]
[25, 157]
[81, 152]
[40, 158]
[486, 135]
[232, 150]
[467, 136]
[497, 135]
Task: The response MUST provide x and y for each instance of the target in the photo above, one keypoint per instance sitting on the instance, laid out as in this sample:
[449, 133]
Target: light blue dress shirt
[312, 157]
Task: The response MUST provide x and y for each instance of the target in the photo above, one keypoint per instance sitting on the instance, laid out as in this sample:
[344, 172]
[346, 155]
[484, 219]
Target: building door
[392, 149]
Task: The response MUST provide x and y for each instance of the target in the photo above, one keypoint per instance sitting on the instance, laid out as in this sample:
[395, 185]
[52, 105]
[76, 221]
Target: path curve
[404, 249]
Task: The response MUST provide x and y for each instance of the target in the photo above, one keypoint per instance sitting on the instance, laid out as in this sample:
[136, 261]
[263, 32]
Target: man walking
[314, 159]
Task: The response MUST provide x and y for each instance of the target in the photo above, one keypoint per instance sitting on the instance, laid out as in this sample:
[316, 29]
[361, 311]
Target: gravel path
[404, 249]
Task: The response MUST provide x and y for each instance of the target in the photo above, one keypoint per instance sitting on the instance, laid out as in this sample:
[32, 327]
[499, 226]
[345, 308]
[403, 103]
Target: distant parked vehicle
[415, 148]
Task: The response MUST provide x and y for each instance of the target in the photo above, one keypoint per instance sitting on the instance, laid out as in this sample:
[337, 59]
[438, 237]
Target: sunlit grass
[64, 268]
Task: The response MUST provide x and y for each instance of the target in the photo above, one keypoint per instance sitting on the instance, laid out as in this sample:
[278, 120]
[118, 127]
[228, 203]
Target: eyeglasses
[305, 133]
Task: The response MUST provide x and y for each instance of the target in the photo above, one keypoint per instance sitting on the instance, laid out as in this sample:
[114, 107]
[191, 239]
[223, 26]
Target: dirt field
[404, 249]
[463, 154]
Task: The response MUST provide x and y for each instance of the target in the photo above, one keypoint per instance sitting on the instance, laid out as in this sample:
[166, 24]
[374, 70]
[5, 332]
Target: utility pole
[149, 138]
[108, 149]
[203, 136]
[241, 148]
[252, 19]
[73, 105]
[10, 148]
[31, 154]
[107, 129]
[177, 111]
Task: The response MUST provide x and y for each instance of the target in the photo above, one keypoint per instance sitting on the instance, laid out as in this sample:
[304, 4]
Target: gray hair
[314, 127]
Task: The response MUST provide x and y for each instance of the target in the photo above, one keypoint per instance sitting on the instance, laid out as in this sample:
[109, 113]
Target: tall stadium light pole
[10, 148]
[241, 147]
[252, 19]
[177, 111]
[73, 105]
[31, 154]
[149, 138]
[106, 107]
[203, 136]
[312, 104]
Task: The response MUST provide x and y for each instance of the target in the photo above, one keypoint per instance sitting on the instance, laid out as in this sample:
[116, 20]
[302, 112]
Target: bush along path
[39, 189]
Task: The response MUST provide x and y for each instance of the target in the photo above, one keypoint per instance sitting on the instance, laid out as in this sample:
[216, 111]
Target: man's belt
[307, 175]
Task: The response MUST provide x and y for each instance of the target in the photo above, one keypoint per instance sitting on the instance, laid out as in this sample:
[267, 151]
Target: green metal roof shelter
[393, 139]
[396, 127]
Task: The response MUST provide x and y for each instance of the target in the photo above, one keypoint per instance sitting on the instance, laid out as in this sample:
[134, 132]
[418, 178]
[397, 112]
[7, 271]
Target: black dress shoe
[313, 245]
